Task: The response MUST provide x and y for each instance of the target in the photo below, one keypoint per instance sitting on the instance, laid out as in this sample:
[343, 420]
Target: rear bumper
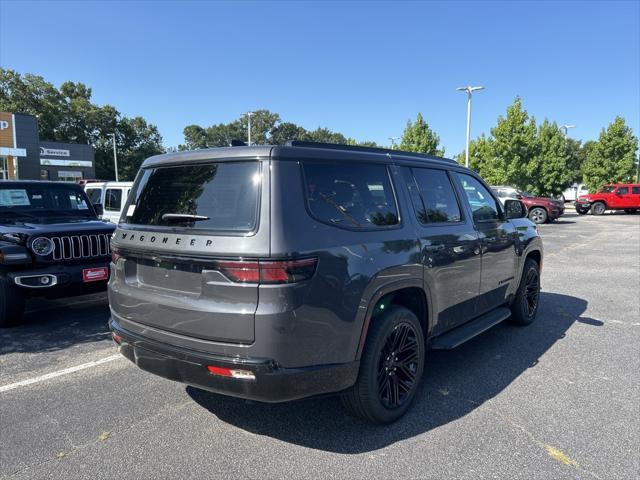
[271, 384]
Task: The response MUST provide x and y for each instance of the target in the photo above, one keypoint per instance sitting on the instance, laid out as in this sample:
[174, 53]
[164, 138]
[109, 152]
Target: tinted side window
[482, 204]
[350, 195]
[623, 190]
[635, 190]
[439, 203]
[94, 195]
[113, 199]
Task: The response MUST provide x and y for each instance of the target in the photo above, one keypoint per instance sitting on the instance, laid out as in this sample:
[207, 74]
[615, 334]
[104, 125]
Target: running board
[471, 329]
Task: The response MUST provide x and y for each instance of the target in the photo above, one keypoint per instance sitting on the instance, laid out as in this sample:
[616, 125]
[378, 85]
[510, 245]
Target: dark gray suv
[280, 272]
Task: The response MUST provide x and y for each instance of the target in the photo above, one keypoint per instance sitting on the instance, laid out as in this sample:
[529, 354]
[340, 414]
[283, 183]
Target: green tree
[483, 161]
[550, 170]
[32, 95]
[67, 114]
[612, 159]
[514, 144]
[195, 137]
[418, 137]
[262, 122]
[324, 135]
[287, 131]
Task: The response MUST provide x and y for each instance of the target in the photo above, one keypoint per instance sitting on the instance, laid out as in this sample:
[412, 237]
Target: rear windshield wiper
[183, 217]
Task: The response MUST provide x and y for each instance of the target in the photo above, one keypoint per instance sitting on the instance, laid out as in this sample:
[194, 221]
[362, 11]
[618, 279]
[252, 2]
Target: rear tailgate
[168, 273]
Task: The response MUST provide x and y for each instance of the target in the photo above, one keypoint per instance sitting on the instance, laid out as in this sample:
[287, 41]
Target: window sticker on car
[14, 198]
[130, 210]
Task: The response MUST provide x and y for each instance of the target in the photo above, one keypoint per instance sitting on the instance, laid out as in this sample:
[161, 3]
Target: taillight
[231, 372]
[268, 271]
[115, 255]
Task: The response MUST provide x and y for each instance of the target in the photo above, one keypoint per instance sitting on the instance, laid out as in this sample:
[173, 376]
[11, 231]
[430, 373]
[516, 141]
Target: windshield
[43, 200]
[608, 189]
[215, 196]
[525, 194]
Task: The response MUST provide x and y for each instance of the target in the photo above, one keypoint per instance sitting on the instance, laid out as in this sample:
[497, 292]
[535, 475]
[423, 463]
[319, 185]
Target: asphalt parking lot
[558, 399]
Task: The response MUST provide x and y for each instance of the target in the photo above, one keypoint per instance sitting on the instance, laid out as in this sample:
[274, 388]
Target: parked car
[112, 195]
[619, 196]
[51, 244]
[572, 193]
[280, 272]
[539, 209]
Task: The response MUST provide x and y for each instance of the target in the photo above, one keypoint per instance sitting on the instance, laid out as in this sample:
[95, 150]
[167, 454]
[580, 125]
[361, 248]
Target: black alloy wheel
[391, 367]
[398, 366]
[532, 292]
[525, 304]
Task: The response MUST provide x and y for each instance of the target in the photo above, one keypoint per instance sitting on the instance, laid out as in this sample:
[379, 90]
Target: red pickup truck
[619, 196]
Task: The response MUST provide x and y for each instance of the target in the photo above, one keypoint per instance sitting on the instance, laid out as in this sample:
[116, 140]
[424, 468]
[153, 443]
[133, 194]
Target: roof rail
[359, 148]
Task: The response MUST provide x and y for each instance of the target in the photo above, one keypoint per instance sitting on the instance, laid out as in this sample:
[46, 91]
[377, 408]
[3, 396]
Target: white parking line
[59, 373]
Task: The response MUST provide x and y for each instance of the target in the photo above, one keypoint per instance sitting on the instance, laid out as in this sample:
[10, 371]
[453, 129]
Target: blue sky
[360, 68]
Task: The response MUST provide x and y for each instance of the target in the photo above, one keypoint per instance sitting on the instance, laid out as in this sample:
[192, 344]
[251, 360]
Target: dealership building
[24, 157]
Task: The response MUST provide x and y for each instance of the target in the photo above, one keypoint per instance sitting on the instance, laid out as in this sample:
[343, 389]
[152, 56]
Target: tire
[376, 396]
[630, 211]
[581, 211]
[538, 215]
[11, 304]
[598, 208]
[525, 305]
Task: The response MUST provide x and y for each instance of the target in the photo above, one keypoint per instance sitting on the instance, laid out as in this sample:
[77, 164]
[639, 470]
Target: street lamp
[115, 155]
[393, 142]
[248, 115]
[564, 128]
[469, 91]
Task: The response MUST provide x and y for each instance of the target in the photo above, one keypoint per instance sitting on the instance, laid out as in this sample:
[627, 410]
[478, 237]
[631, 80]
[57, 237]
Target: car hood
[55, 225]
[540, 200]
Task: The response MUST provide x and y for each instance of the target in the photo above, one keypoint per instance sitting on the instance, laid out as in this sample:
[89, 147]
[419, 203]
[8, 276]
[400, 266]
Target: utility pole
[248, 115]
[393, 142]
[115, 155]
[564, 128]
[469, 91]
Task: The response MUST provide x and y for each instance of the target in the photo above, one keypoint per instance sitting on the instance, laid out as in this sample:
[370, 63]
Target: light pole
[564, 128]
[469, 91]
[115, 155]
[248, 115]
[393, 142]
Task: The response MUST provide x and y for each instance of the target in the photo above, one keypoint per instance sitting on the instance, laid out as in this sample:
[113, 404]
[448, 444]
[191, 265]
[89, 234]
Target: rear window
[350, 195]
[94, 195]
[214, 196]
[113, 199]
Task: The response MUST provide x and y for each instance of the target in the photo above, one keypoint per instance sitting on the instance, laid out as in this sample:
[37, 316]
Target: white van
[111, 195]
[576, 190]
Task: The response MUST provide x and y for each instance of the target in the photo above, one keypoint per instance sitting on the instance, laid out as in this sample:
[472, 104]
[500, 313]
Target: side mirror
[99, 209]
[514, 209]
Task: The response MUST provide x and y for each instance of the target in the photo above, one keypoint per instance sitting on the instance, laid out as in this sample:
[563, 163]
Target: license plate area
[168, 275]
[95, 274]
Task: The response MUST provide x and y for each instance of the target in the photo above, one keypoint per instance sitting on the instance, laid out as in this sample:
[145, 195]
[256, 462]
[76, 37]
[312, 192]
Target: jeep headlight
[42, 246]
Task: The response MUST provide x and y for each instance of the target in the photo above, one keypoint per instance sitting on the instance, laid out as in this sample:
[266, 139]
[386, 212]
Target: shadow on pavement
[51, 325]
[456, 382]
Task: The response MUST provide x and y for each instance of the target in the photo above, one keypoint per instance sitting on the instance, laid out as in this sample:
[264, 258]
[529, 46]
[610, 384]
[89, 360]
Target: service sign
[54, 152]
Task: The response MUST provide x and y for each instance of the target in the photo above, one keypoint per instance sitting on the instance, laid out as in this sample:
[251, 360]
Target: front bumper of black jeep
[60, 280]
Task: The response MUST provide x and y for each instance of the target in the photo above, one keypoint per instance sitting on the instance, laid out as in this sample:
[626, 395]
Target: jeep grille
[81, 246]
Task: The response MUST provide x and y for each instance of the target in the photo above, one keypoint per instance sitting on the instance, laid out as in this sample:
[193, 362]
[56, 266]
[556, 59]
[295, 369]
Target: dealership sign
[65, 163]
[53, 152]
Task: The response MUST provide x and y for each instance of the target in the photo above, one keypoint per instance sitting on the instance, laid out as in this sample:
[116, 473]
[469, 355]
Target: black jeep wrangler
[52, 244]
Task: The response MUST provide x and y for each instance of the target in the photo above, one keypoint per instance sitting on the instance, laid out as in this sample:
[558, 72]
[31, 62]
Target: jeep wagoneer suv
[279, 272]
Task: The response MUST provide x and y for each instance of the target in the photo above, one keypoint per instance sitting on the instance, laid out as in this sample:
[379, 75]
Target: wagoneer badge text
[159, 239]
